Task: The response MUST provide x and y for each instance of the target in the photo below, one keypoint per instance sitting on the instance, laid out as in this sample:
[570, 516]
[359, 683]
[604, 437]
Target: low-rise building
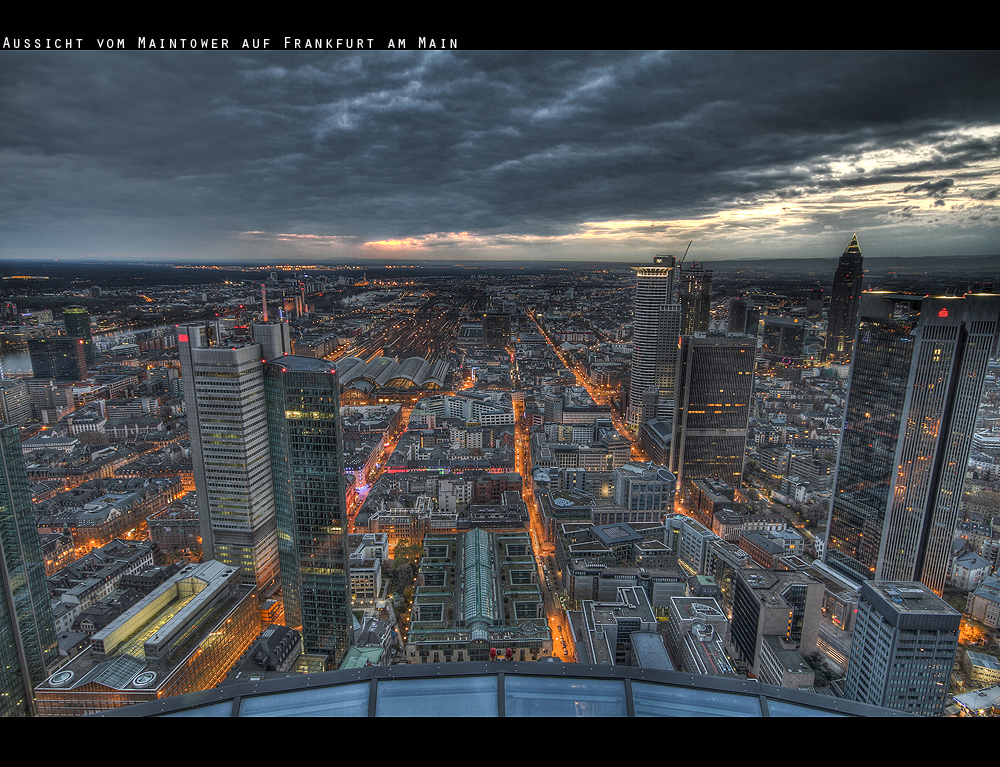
[696, 634]
[183, 637]
[984, 603]
[477, 591]
[968, 570]
[785, 605]
[982, 669]
[607, 626]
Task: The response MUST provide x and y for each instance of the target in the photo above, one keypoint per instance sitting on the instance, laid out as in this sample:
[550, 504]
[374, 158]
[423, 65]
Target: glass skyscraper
[27, 631]
[712, 414]
[916, 381]
[842, 320]
[77, 322]
[307, 466]
[695, 295]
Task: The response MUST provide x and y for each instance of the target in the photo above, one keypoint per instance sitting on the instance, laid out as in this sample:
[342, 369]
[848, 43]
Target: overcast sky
[333, 155]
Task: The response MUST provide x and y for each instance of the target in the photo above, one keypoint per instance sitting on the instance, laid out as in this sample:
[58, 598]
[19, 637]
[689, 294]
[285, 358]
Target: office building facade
[27, 630]
[695, 296]
[496, 330]
[842, 320]
[61, 358]
[230, 450]
[916, 381]
[182, 637]
[905, 641]
[307, 466]
[655, 330]
[712, 408]
[775, 619]
[15, 401]
[784, 340]
[744, 317]
[77, 322]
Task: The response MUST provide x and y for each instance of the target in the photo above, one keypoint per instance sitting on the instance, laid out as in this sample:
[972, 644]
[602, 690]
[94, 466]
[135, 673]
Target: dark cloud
[163, 150]
[932, 188]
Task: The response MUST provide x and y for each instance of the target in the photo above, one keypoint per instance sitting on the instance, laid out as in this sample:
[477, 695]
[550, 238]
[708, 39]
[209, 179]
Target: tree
[93, 438]
[406, 552]
[988, 500]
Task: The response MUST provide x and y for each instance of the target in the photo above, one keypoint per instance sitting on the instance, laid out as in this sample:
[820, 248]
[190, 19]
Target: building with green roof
[478, 591]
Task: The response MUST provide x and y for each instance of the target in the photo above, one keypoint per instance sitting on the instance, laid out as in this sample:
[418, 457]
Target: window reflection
[341, 700]
[662, 700]
[216, 709]
[783, 708]
[555, 696]
[445, 696]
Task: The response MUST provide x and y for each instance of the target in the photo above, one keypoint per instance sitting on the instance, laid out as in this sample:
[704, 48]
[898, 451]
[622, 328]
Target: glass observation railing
[502, 689]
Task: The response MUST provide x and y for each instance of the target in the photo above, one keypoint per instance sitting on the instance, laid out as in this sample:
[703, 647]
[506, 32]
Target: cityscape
[525, 433]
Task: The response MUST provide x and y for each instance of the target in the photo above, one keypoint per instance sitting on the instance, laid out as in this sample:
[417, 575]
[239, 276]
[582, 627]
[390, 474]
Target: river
[19, 363]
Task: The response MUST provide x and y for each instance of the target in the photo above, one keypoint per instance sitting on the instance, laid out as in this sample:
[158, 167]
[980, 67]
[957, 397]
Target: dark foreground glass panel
[556, 696]
[662, 700]
[342, 700]
[446, 696]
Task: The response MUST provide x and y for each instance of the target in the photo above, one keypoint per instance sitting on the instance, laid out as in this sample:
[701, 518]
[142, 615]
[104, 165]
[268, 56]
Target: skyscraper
[27, 632]
[916, 382]
[77, 322]
[15, 402]
[227, 417]
[496, 330]
[905, 640]
[744, 317]
[712, 410]
[842, 320]
[814, 305]
[62, 358]
[307, 460]
[784, 340]
[695, 295]
[655, 333]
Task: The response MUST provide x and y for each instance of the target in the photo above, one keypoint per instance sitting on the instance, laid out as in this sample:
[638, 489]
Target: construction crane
[681, 262]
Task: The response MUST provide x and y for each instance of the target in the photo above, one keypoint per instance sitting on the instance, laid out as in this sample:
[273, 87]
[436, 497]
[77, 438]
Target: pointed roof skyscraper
[842, 321]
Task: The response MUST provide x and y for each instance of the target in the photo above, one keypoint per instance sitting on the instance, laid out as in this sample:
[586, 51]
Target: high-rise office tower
[307, 460]
[744, 317]
[496, 330]
[695, 297]
[712, 411]
[916, 381]
[784, 340]
[77, 322]
[15, 401]
[814, 305]
[27, 631]
[227, 417]
[655, 331]
[905, 640]
[59, 357]
[842, 320]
